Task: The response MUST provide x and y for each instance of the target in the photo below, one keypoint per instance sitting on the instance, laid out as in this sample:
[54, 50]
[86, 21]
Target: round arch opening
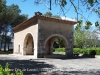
[28, 45]
[50, 45]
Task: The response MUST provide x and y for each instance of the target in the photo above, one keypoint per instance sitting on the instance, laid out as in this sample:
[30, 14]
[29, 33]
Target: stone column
[24, 50]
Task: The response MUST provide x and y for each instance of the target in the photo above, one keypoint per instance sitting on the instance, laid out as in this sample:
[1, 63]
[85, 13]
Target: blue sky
[28, 7]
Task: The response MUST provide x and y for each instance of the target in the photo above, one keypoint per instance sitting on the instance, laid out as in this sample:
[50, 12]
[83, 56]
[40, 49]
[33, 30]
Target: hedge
[90, 51]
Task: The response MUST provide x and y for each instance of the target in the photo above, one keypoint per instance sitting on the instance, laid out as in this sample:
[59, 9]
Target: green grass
[6, 52]
[59, 51]
[63, 53]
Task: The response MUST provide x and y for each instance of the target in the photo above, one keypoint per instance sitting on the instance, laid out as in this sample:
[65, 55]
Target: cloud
[66, 18]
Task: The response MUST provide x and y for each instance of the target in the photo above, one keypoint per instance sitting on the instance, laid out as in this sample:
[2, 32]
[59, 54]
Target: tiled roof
[35, 18]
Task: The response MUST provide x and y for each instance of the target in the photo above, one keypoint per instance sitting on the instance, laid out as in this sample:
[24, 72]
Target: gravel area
[51, 66]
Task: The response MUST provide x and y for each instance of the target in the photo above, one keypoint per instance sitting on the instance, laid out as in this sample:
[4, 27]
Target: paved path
[81, 66]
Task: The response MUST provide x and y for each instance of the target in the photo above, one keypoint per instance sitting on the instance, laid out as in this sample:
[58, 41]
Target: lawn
[63, 53]
[59, 51]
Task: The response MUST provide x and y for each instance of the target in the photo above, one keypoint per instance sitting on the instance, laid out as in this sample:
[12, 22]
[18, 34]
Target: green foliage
[6, 71]
[97, 24]
[59, 50]
[9, 17]
[90, 51]
[59, 42]
[63, 3]
[49, 14]
[76, 50]
[88, 24]
[19, 19]
[91, 2]
[56, 16]
[6, 52]
[83, 36]
[97, 51]
[90, 5]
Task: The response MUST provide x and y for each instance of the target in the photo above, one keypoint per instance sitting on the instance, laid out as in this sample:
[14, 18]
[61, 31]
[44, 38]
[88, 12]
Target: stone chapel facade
[36, 35]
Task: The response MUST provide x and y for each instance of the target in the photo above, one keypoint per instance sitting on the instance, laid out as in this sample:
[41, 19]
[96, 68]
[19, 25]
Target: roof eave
[27, 22]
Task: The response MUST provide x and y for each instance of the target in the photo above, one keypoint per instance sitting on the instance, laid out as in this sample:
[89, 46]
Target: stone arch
[48, 44]
[28, 45]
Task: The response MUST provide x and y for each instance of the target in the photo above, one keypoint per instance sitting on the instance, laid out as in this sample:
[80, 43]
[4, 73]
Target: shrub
[85, 51]
[6, 71]
[77, 50]
[89, 51]
[97, 52]
[92, 52]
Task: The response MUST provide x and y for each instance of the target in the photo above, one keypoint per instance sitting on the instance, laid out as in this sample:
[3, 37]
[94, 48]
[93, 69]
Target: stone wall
[48, 28]
[41, 32]
[19, 38]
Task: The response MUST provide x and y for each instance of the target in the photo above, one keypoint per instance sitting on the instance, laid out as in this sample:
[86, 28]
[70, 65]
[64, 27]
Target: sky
[29, 7]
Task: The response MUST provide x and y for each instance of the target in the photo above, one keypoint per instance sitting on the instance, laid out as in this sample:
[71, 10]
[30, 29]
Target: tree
[91, 5]
[59, 42]
[56, 16]
[19, 19]
[83, 36]
[9, 17]
[78, 5]
[8, 40]
[49, 14]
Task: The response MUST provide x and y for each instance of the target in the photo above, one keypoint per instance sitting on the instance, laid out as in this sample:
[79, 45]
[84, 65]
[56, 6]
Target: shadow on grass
[6, 52]
[27, 66]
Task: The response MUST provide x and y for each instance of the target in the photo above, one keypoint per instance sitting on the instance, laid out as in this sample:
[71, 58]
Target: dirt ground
[52, 66]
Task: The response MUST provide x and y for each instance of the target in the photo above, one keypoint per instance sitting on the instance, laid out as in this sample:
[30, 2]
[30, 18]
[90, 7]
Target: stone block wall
[48, 28]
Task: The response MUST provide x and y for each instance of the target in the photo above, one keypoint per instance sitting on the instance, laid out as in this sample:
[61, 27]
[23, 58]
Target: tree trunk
[0, 46]
[8, 46]
[4, 46]
[5, 35]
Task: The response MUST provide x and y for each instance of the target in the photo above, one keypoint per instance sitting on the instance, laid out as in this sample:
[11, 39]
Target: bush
[6, 71]
[85, 52]
[77, 50]
[90, 51]
[97, 52]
